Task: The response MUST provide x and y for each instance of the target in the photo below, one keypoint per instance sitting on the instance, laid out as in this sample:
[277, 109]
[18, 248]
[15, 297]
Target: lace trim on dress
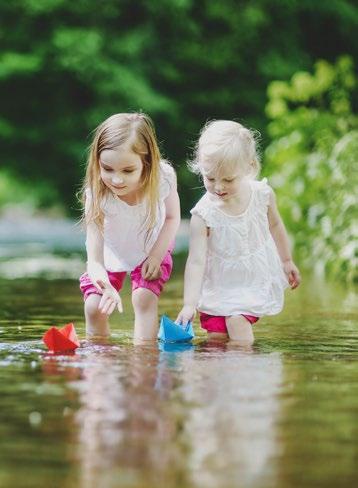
[167, 179]
[215, 217]
[263, 192]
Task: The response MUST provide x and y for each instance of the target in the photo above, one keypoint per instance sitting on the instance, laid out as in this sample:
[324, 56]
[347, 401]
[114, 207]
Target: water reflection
[173, 415]
[65, 365]
[282, 413]
[231, 427]
[128, 428]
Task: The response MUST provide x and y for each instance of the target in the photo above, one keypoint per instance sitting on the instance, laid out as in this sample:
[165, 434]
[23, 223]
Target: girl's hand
[292, 273]
[110, 298]
[151, 269]
[186, 314]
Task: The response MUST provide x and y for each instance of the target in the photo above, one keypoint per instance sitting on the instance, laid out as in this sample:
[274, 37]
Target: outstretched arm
[194, 269]
[151, 266]
[279, 234]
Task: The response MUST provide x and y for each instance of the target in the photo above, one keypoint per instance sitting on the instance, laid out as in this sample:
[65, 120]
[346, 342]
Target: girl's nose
[117, 180]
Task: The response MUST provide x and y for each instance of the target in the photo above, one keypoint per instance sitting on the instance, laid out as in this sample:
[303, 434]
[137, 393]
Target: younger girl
[239, 259]
[132, 214]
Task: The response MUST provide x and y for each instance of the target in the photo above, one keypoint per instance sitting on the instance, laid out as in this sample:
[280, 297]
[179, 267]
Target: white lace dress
[243, 273]
[125, 244]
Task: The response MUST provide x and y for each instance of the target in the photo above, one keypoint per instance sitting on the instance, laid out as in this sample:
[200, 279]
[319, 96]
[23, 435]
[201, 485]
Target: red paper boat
[64, 339]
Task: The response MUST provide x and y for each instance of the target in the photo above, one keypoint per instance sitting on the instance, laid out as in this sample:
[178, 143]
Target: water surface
[280, 414]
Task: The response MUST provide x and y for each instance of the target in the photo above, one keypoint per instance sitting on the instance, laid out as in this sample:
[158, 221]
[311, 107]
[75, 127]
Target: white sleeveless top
[243, 273]
[125, 243]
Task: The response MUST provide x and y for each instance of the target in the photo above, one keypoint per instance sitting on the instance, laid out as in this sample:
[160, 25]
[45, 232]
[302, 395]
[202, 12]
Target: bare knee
[144, 300]
[96, 321]
[240, 330]
[145, 304]
[91, 307]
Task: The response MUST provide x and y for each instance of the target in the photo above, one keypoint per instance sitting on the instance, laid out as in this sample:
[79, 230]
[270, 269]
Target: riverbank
[44, 245]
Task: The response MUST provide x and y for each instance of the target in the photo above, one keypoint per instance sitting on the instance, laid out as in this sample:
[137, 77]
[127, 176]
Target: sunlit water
[280, 414]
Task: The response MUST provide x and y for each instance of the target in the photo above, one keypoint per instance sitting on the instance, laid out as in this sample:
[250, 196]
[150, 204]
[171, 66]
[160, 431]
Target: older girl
[132, 214]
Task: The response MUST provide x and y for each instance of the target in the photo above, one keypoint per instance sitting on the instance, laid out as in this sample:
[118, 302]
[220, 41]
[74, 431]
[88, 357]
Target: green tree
[65, 65]
[312, 163]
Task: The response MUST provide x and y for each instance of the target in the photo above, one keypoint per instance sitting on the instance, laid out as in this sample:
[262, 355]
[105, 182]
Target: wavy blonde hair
[137, 129]
[226, 143]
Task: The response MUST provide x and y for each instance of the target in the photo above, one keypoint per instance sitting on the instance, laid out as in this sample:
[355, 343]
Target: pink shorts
[213, 323]
[117, 278]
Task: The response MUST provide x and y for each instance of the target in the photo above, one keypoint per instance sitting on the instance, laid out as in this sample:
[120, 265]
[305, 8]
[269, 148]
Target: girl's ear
[253, 165]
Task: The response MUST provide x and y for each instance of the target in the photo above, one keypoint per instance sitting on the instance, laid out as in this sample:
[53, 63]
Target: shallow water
[280, 414]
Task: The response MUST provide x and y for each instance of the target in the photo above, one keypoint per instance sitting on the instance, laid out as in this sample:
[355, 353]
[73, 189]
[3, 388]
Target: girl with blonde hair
[132, 213]
[239, 259]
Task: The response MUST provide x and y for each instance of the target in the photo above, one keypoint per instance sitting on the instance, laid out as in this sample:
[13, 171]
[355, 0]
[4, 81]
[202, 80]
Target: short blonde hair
[227, 144]
[137, 130]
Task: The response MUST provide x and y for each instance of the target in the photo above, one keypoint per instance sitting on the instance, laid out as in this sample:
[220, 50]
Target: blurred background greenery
[283, 67]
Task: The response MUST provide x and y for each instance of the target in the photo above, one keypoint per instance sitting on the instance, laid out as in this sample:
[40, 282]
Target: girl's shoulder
[205, 210]
[262, 191]
[167, 178]
[106, 204]
[166, 170]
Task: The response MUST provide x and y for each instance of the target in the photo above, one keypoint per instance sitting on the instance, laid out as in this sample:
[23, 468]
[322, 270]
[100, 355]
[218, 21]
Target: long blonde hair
[138, 130]
[227, 143]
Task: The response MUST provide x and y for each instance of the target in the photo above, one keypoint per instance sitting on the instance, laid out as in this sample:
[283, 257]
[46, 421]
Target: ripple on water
[273, 415]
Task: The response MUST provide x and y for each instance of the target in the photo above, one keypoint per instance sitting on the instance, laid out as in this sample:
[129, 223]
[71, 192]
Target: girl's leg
[240, 330]
[96, 321]
[217, 336]
[215, 326]
[145, 295]
[145, 305]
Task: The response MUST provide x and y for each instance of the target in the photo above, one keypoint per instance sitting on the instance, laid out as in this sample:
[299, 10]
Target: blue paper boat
[169, 331]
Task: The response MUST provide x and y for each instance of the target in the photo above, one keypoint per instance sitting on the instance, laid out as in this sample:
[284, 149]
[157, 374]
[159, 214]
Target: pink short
[213, 323]
[117, 278]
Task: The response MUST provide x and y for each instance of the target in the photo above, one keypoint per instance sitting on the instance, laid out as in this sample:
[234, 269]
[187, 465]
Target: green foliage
[14, 64]
[14, 191]
[66, 65]
[312, 163]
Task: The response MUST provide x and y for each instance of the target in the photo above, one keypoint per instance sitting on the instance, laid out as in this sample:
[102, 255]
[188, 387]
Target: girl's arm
[97, 272]
[194, 269]
[151, 266]
[95, 263]
[279, 234]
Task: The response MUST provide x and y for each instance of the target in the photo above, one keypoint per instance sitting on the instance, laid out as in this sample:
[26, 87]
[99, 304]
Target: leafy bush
[19, 192]
[312, 163]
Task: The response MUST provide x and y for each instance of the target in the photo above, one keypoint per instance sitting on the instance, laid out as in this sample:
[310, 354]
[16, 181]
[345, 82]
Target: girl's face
[121, 170]
[223, 184]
